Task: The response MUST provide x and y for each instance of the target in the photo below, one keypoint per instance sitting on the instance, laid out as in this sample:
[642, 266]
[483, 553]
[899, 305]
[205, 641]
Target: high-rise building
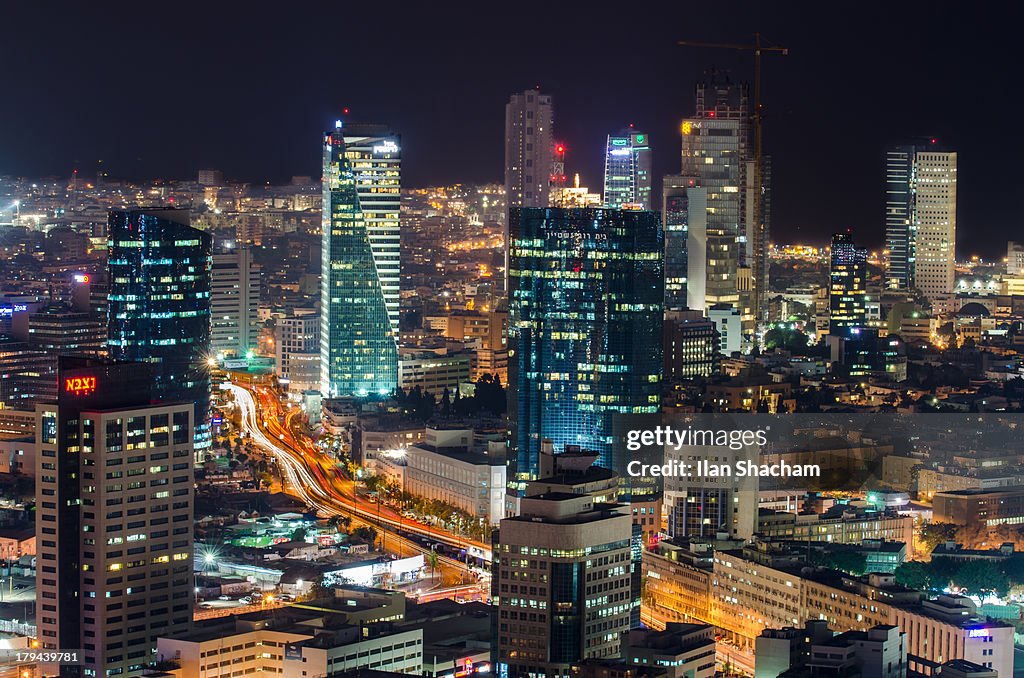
[360, 267]
[758, 236]
[59, 330]
[900, 228]
[297, 350]
[627, 170]
[848, 279]
[211, 177]
[234, 302]
[586, 291]
[935, 220]
[113, 517]
[26, 375]
[562, 578]
[685, 214]
[158, 268]
[529, 149]
[692, 347]
[1014, 258]
[920, 220]
[715, 152]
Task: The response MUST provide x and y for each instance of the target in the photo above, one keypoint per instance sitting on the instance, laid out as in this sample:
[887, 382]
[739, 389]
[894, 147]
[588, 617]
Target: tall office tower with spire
[627, 170]
[158, 309]
[920, 220]
[586, 293]
[360, 260]
[529, 149]
[715, 153]
[114, 517]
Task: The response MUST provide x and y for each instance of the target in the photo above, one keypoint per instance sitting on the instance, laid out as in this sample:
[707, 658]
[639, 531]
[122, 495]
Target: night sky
[162, 89]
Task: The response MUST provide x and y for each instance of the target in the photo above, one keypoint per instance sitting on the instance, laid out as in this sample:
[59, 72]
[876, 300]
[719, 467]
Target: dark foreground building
[114, 492]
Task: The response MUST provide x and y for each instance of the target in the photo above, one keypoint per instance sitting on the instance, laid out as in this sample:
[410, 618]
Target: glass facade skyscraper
[848, 280]
[920, 220]
[360, 257]
[586, 296]
[684, 209]
[627, 170]
[159, 304]
[716, 146]
[899, 216]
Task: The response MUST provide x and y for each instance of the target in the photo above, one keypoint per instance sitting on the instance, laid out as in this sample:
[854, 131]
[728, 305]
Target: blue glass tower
[159, 304]
[586, 299]
[360, 275]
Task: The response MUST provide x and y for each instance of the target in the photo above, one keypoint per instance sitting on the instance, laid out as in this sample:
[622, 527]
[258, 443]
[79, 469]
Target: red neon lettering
[80, 385]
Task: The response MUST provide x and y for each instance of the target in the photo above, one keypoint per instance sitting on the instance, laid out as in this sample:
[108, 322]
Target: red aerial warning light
[935, 141]
[559, 148]
[345, 111]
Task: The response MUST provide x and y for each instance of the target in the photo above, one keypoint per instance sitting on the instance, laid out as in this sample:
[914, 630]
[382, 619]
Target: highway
[317, 481]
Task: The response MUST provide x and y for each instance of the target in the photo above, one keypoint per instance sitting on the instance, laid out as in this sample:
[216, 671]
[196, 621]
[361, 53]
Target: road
[317, 481]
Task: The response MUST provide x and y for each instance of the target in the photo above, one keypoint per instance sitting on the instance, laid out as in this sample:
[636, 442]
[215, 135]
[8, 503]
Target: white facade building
[234, 302]
[446, 468]
[297, 350]
[935, 220]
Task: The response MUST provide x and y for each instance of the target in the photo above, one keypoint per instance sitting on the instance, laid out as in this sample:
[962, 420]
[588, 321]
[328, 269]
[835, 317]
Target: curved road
[307, 479]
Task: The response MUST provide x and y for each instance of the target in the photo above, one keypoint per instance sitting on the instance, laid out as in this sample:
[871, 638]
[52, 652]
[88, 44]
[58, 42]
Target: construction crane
[758, 48]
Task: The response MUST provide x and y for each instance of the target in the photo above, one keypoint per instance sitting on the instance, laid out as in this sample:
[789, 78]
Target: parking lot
[17, 589]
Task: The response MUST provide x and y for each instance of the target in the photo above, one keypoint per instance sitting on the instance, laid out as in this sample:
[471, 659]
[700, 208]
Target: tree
[433, 561]
[365, 534]
[854, 562]
[982, 577]
[319, 589]
[1013, 568]
[791, 340]
[299, 534]
[933, 534]
[339, 522]
[914, 575]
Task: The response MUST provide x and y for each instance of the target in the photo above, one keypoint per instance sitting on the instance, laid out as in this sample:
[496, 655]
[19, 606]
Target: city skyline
[46, 144]
[705, 382]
